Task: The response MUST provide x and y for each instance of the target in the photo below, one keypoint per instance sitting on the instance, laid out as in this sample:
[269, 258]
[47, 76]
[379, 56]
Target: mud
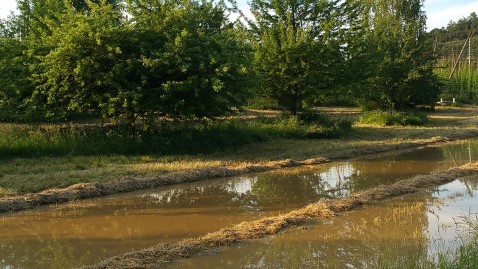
[164, 253]
[91, 190]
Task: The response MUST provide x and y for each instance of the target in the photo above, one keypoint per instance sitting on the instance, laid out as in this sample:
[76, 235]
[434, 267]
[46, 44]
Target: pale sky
[439, 12]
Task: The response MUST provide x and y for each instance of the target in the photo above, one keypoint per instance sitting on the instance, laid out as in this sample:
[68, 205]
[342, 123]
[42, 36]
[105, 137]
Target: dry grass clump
[168, 252]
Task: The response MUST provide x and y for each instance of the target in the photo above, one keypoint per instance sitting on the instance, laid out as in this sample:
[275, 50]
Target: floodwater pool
[84, 232]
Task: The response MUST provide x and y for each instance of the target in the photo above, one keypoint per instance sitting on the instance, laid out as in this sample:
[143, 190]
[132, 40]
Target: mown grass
[38, 157]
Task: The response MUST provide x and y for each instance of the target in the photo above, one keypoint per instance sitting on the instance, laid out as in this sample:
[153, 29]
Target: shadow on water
[84, 232]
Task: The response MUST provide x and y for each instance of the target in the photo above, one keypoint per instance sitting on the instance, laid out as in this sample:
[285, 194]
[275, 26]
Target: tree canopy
[401, 61]
[299, 47]
[143, 59]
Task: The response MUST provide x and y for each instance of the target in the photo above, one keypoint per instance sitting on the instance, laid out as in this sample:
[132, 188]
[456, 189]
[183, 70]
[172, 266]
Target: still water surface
[401, 233]
[84, 232]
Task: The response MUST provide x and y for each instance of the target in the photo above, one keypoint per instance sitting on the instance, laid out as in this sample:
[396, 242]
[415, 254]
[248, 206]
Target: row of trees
[141, 59]
[455, 30]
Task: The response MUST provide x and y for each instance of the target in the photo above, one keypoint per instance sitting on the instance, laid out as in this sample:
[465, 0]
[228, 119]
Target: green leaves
[181, 59]
[298, 48]
[401, 74]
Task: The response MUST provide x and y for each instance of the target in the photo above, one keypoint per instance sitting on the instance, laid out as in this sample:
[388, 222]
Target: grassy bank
[36, 158]
[388, 118]
[20, 140]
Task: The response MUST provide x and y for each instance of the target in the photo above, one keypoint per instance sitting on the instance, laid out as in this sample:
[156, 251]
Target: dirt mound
[164, 253]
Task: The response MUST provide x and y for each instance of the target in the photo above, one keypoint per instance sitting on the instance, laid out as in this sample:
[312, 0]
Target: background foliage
[185, 59]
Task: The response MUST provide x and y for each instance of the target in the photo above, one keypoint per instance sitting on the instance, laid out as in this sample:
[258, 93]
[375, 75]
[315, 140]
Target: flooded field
[84, 232]
[400, 233]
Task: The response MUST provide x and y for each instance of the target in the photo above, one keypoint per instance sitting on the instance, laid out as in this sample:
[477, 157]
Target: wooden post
[459, 56]
[452, 57]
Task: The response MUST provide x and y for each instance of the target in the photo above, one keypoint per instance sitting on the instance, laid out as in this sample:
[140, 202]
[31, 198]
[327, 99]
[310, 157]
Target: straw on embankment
[165, 253]
[91, 190]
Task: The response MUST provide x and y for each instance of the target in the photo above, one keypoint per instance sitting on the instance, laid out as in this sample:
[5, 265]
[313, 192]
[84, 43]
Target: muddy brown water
[407, 232]
[84, 232]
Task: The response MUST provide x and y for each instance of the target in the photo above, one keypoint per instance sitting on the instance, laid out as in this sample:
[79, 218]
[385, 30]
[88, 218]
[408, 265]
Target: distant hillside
[448, 41]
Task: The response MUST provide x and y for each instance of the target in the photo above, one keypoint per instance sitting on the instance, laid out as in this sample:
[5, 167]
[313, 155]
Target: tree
[402, 62]
[202, 69]
[15, 86]
[299, 47]
[183, 60]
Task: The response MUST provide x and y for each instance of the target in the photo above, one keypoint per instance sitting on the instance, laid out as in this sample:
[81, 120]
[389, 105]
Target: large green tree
[400, 61]
[22, 41]
[182, 60]
[15, 86]
[202, 68]
[299, 47]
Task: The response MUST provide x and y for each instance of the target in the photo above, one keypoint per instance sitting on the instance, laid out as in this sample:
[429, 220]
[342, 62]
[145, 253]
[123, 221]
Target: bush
[393, 118]
[305, 125]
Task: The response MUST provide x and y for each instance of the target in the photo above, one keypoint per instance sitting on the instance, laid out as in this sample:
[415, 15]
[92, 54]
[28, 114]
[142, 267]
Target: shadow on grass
[178, 138]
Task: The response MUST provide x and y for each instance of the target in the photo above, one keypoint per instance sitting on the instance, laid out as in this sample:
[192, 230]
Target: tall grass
[388, 118]
[178, 138]
[466, 256]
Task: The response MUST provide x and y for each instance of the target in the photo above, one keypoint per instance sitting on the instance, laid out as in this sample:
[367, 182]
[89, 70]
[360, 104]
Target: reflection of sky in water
[336, 176]
[454, 202]
[362, 238]
[241, 185]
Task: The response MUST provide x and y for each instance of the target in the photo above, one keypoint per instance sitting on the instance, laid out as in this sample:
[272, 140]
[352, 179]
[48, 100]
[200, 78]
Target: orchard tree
[15, 86]
[183, 60]
[299, 47]
[400, 60]
[76, 73]
[202, 68]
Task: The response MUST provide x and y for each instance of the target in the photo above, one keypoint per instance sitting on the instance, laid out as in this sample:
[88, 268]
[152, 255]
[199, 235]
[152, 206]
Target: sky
[439, 12]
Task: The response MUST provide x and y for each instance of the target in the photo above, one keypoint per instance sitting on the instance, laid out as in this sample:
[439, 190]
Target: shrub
[393, 118]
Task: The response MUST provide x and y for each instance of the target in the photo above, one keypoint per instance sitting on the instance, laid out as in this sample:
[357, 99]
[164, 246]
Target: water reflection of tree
[53, 252]
[286, 189]
[291, 188]
[470, 182]
[61, 242]
[389, 169]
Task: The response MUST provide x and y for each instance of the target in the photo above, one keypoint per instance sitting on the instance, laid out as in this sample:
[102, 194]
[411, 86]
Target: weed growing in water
[466, 256]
